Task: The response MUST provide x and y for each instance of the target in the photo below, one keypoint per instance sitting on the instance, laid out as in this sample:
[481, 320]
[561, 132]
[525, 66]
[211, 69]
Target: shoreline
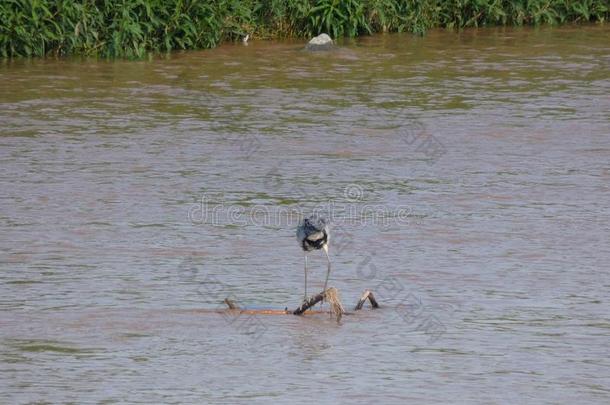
[297, 42]
[137, 29]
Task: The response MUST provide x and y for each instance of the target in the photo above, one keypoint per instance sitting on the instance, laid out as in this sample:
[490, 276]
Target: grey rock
[320, 43]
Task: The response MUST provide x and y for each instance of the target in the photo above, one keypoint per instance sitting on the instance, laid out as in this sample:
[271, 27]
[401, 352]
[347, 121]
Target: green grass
[133, 28]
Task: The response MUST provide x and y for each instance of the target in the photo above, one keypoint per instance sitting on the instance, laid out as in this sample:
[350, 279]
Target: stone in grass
[320, 43]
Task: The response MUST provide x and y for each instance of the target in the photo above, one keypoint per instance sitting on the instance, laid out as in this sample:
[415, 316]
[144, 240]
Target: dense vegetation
[134, 27]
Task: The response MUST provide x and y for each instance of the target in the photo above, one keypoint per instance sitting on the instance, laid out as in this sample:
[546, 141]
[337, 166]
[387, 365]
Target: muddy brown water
[466, 176]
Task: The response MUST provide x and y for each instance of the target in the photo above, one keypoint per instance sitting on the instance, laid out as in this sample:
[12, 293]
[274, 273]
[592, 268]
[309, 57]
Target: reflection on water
[493, 286]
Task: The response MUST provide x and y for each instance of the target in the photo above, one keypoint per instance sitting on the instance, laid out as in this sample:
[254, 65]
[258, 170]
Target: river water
[466, 176]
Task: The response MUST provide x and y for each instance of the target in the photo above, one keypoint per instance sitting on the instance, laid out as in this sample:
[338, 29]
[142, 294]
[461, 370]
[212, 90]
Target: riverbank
[133, 28]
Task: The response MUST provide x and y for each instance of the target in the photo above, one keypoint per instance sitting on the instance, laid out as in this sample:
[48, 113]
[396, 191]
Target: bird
[313, 234]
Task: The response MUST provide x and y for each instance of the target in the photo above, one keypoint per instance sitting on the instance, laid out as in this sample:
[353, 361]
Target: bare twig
[231, 304]
[366, 295]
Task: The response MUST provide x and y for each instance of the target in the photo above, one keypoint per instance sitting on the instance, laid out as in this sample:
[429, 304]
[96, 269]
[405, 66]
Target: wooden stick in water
[231, 304]
[366, 295]
[331, 295]
[310, 302]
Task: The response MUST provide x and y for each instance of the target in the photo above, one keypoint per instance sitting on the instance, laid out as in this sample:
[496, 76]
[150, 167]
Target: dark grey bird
[313, 234]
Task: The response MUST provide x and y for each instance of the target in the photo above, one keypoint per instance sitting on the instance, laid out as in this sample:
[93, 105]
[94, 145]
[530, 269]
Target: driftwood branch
[231, 304]
[331, 295]
[310, 302]
[366, 295]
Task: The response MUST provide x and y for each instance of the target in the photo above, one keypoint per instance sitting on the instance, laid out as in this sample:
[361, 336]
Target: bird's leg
[327, 271]
[305, 298]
